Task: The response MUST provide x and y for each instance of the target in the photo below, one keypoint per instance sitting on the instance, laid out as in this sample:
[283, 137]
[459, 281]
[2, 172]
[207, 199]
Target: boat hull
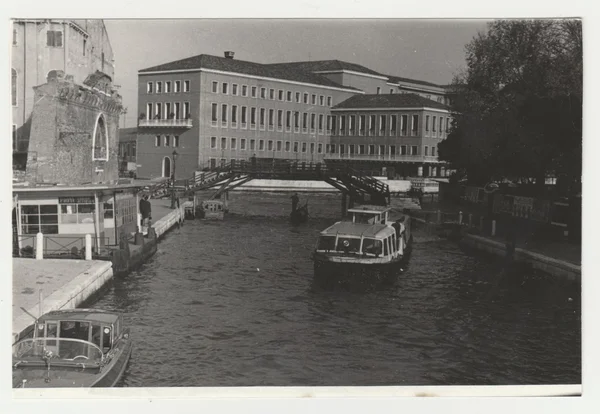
[329, 272]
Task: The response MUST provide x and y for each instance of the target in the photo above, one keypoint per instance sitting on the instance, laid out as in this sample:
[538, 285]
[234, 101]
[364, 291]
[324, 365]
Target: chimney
[229, 54]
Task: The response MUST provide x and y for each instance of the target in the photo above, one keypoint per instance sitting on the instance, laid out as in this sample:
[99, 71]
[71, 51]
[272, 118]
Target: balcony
[386, 157]
[169, 123]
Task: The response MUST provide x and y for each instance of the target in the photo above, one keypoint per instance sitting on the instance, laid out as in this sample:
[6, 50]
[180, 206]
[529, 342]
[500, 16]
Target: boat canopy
[345, 228]
[91, 315]
[368, 214]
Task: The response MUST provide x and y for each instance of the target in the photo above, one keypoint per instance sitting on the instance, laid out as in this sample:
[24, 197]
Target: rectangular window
[393, 120]
[243, 143]
[415, 124]
[279, 118]
[434, 124]
[157, 141]
[186, 86]
[176, 141]
[271, 117]
[362, 124]
[262, 117]
[372, 120]
[382, 124]
[244, 90]
[244, 115]
[14, 42]
[333, 125]
[413, 150]
[426, 150]
[289, 96]
[402, 149]
[54, 38]
[224, 114]
[288, 119]
[447, 125]
[280, 94]
[351, 148]
[320, 122]
[313, 121]
[177, 87]
[225, 88]
[158, 87]
[332, 148]
[312, 147]
[234, 114]
[371, 149]
[271, 94]
[320, 148]
[313, 99]
[233, 143]
[149, 112]
[382, 150]
[14, 136]
[253, 91]
[149, 87]
[441, 125]
[352, 124]
[261, 144]
[304, 120]
[391, 91]
[329, 101]
[186, 110]
[305, 98]
[304, 147]
[159, 111]
[214, 114]
[168, 87]
[279, 145]
[263, 93]
[288, 146]
[295, 146]
[392, 150]
[167, 140]
[321, 100]
[270, 145]
[297, 97]
[215, 87]
[361, 149]
[234, 89]
[252, 144]
[252, 116]
[168, 112]
[403, 125]
[296, 120]
[44, 218]
[223, 143]
[426, 123]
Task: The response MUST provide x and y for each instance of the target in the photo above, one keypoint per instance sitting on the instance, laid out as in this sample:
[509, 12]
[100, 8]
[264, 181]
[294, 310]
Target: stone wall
[64, 120]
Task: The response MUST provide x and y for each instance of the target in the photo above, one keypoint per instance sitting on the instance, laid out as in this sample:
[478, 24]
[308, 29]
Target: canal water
[232, 303]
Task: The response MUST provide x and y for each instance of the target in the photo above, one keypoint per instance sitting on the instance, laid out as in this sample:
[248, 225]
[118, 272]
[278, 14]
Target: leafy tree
[517, 106]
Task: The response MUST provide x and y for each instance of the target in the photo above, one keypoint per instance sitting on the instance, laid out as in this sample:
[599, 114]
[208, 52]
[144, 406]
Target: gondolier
[295, 201]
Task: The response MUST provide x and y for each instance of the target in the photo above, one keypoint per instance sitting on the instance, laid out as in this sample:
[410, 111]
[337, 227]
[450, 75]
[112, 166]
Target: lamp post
[173, 201]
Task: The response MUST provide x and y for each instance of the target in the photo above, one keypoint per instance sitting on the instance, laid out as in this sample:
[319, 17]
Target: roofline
[74, 188]
[414, 86]
[244, 75]
[422, 108]
[352, 72]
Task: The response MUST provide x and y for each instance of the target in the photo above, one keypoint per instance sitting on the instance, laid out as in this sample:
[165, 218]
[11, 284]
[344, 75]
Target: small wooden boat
[73, 348]
[300, 215]
[367, 248]
[211, 210]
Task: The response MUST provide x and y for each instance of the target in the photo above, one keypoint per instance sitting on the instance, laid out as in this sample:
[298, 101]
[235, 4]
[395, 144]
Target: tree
[517, 106]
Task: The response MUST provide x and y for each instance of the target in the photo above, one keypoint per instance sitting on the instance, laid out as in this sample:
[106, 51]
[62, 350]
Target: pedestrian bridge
[358, 186]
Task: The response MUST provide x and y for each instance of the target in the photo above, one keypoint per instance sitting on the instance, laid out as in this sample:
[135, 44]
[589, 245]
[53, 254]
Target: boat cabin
[86, 334]
[362, 239]
[213, 206]
[368, 214]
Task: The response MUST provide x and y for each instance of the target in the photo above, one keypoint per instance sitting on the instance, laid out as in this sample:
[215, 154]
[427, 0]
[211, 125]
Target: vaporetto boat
[368, 247]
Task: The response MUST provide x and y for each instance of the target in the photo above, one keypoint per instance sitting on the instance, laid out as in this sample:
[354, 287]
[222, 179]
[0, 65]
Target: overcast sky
[430, 50]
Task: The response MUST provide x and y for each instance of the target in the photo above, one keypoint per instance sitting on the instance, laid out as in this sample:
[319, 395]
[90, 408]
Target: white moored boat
[369, 247]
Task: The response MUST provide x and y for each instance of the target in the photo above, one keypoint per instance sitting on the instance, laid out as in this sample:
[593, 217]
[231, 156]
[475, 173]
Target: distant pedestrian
[295, 201]
[145, 210]
[253, 161]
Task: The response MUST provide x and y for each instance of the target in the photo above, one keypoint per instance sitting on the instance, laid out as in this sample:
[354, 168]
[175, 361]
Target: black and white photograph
[270, 203]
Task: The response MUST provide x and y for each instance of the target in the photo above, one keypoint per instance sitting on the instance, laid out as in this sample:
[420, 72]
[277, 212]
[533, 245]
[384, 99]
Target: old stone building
[74, 132]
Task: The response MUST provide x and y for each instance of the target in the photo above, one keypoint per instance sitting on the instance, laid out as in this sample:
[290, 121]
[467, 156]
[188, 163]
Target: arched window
[13, 92]
[166, 167]
[100, 140]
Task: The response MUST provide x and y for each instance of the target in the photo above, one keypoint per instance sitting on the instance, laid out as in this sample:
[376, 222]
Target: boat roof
[347, 228]
[95, 315]
[368, 208]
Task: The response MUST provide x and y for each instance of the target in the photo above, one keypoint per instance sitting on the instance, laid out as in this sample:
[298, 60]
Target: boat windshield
[326, 243]
[348, 245]
[57, 349]
[372, 246]
[366, 218]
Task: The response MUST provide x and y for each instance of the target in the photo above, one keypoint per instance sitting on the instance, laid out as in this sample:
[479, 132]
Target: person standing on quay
[145, 210]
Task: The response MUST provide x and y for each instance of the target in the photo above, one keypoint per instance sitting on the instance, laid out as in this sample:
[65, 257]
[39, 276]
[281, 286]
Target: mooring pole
[344, 204]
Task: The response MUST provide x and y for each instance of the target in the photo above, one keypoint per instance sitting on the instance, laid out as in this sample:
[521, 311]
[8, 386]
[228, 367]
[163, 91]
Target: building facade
[394, 135]
[127, 151]
[40, 48]
[211, 110]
